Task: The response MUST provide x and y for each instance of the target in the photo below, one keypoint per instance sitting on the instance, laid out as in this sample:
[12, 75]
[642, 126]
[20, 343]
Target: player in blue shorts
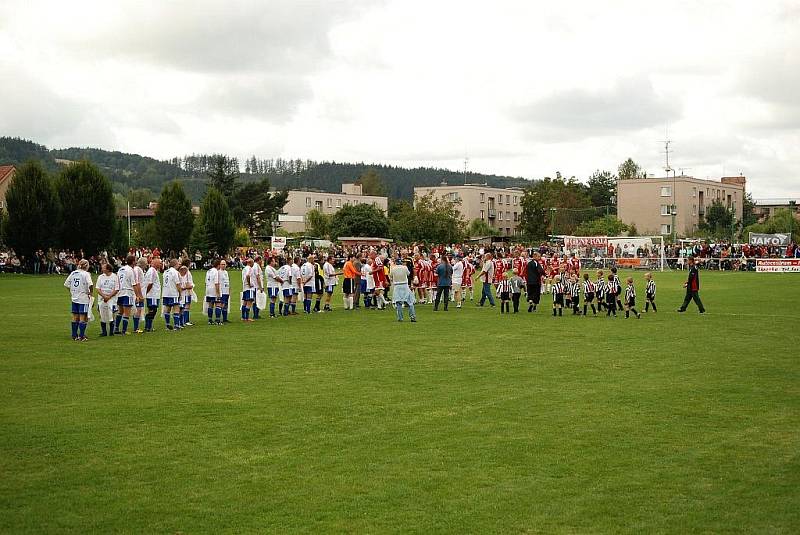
[80, 287]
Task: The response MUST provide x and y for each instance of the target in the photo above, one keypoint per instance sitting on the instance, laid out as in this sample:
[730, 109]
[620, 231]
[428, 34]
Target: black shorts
[631, 302]
[347, 286]
[505, 296]
[651, 297]
[589, 297]
[576, 299]
[558, 299]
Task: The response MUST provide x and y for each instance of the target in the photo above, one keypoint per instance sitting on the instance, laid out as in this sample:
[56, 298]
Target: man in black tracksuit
[692, 286]
[535, 273]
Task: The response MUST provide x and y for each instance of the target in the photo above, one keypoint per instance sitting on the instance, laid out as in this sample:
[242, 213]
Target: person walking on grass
[401, 291]
[444, 274]
[487, 276]
[692, 286]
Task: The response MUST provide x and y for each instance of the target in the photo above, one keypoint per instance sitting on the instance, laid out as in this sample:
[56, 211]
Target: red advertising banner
[778, 265]
[583, 241]
[629, 262]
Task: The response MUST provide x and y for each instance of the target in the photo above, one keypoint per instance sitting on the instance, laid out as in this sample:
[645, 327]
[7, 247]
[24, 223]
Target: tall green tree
[217, 222]
[602, 188]
[602, 226]
[173, 218]
[140, 197]
[87, 207]
[748, 210]
[318, 224]
[479, 228]
[372, 183]
[33, 210]
[223, 172]
[542, 201]
[431, 219]
[359, 220]
[630, 169]
[718, 220]
[781, 221]
[255, 207]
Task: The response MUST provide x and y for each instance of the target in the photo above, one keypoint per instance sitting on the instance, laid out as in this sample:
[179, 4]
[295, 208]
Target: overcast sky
[523, 88]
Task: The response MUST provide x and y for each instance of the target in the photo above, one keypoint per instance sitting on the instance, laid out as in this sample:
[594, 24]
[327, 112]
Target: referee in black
[692, 286]
[534, 274]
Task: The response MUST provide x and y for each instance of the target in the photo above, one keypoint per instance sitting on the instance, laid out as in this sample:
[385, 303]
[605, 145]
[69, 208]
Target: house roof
[136, 213]
[5, 172]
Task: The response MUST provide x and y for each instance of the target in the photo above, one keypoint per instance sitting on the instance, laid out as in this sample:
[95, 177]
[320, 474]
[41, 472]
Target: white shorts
[456, 286]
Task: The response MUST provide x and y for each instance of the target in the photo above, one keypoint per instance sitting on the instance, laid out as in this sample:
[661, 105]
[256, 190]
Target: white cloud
[523, 88]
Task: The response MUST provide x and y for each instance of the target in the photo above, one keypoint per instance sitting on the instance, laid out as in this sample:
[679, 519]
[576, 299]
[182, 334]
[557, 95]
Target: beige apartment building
[499, 207]
[301, 202]
[648, 202]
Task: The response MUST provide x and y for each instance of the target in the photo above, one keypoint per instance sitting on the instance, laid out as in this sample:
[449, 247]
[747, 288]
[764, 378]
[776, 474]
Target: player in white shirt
[369, 296]
[248, 291]
[307, 274]
[139, 270]
[171, 296]
[296, 284]
[80, 287]
[126, 296]
[257, 277]
[225, 289]
[152, 293]
[458, 279]
[213, 293]
[187, 289]
[273, 285]
[285, 274]
[107, 289]
[331, 280]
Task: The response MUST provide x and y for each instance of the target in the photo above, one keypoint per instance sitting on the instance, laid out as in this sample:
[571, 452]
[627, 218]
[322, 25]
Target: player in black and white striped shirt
[630, 300]
[600, 290]
[588, 294]
[558, 296]
[575, 290]
[650, 292]
[617, 287]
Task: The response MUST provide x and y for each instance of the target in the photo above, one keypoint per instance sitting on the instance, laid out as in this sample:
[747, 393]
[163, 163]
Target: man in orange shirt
[351, 279]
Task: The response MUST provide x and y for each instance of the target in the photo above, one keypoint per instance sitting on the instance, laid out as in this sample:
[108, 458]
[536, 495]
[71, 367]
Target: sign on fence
[278, 243]
[775, 240]
[584, 241]
[629, 262]
[778, 265]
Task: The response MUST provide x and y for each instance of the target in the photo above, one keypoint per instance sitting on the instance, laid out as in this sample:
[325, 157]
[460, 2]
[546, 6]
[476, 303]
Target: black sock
[585, 306]
[646, 306]
[554, 311]
[654, 307]
[560, 311]
[627, 313]
[593, 310]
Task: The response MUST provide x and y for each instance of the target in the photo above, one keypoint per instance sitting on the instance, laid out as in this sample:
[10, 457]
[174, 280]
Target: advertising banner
[778, 265]
[584, 241]
[770, 240]
[629, 262]
[278, 243]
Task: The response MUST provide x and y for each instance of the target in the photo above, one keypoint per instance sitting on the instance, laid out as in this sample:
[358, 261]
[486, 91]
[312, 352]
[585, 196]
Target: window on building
[515, 200]
[733, 206]
[483, 197]
[2, 204]
[483, 214]
[666, 191]
[664, 209]
[694, 192]
[355, 202]
[499, 199]
[508, 216]
[500, 215]
[318, 205]
[330, 202]
[338, 203]
[308, 202]
[666, 229]
[508, 231]
[508, 199]
[516, 216]
[694, 210]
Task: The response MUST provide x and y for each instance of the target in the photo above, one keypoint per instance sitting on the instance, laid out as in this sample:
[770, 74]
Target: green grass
[467, 421]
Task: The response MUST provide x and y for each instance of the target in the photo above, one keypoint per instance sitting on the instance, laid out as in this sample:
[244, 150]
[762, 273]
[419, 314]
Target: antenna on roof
[667, 152]
[682, 169]
[466, 162]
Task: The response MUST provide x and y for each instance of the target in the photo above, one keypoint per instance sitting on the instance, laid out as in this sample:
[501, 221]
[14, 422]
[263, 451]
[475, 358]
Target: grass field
[467, 421]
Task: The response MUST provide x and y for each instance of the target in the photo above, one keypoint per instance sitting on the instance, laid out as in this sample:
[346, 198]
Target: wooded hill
[132, 171]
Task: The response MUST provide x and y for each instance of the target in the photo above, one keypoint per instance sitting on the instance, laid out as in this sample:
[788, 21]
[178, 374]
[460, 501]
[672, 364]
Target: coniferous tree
[33, 213]
[173, 218]
[87, 206]
[217, 222]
